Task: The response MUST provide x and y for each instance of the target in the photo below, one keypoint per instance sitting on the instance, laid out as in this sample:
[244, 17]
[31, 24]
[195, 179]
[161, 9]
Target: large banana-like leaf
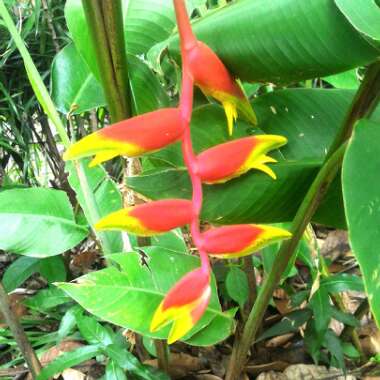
[281, 41]
[309, 118]
[361, 189]
[75, 89]
[128, 296]
[146, 22]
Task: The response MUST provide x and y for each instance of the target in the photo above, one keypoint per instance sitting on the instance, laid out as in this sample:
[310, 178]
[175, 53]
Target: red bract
[133, 137]
[232, 159]
[150, 218]
[184, 304]
[209, 73]
[240, 240]
[213, 78]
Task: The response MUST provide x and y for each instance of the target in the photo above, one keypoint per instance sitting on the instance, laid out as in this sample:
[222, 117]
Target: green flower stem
[363, 105]
[49, 108]
[105, 22]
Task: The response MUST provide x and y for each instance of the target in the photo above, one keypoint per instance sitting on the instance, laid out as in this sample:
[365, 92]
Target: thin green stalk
[49, 108]
[301, 220]
[364, 102]
[104, 19]
[363, 105]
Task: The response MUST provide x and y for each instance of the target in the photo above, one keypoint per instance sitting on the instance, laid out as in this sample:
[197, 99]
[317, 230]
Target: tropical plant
[196, 108]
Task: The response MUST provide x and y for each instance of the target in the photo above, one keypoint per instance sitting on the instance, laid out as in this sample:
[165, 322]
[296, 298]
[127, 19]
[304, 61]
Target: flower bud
[240, 240]
[213, 78]
[184, 305]
[132, 137]
[232, 159]
[149, 219]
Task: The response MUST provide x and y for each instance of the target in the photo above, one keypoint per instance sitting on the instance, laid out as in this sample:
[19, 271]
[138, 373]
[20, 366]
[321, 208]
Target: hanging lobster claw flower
[149, 219]
[209, 72]
[241, 240]
[232, 159]
[184, 305]
[132, 137]
[213, 78]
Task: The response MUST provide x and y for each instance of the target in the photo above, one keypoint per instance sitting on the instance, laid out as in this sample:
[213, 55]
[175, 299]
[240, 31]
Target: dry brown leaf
[272, 375]
[72, 374]
[180, 364]
[312, 372]
[208, 377]
[278, 341]
[54, 352]
[283, 306]
[84, 260]
[335, 245]
[261, 368]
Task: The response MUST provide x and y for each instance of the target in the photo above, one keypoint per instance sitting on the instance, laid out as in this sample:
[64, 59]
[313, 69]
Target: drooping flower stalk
[187, 300]
[188, 41]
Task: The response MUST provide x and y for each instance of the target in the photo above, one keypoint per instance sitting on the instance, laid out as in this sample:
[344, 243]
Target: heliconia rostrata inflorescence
[186, 302]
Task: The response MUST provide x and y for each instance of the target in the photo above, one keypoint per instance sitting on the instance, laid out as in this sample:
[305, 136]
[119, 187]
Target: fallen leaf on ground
[180, 364]
[72, 374]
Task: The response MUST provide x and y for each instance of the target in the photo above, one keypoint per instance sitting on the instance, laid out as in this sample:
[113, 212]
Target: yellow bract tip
[231, 113]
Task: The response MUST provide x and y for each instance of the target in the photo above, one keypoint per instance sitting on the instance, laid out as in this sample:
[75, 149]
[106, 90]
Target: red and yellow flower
[241, 239]
[232, 159]
[184, 305]
[132, 137]
[212, 77]
[149, 219]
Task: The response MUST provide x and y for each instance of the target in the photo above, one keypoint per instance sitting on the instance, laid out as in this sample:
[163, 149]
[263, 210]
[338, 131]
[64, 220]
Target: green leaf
[68, 360]
[19, 271]
[74, 88]
[290, 323]
[364, 16]
[334, 346]
[237, 285]
[114, 372]
[342, 282]
[320, 304]
[38, 222]
[128, 297]
[348, 80]
[311, 46]
[107, 195]
[350, 350]
[220, 328]
[128, 362]
[346, 318]
[362, 203]
[172, 240]
[93, 332]
[47, 299]
[146, 22]
[53, 269]
[69, 321]
[147, 92]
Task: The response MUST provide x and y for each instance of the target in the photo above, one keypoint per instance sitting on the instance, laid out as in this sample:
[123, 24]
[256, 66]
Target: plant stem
[249, 269]
[162, 352]
[301, 220]
[19, 334]
[364, 103]
[104, 19]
